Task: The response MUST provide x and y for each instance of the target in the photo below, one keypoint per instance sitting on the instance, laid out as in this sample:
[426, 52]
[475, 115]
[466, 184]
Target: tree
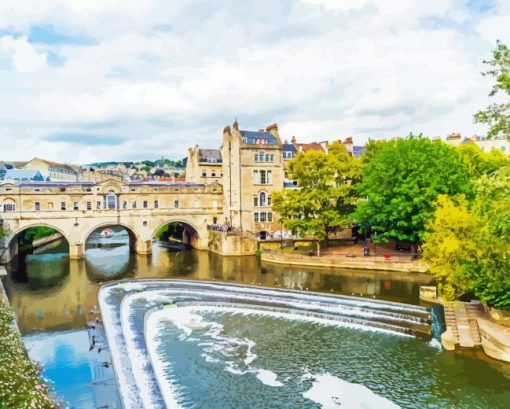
[478, 162]
[468, 246]
[401, 183]
[326, 196]
[497, 116]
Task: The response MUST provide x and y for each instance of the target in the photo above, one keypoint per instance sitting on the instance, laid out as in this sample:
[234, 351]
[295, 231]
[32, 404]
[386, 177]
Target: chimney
[293, 140]
[235, 125]
[273, 129]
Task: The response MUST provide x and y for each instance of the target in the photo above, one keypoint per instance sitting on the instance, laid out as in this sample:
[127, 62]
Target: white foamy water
[331, 393]
[140, 363]
[186, 318]
[268, 378]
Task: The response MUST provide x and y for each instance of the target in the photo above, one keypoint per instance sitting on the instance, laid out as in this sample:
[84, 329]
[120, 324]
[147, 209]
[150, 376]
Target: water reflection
[58, 293]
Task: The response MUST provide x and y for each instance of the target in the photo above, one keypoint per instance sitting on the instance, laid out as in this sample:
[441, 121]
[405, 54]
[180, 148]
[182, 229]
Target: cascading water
[178, 343]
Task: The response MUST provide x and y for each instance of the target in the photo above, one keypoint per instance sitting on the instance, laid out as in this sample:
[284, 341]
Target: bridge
[76, 209]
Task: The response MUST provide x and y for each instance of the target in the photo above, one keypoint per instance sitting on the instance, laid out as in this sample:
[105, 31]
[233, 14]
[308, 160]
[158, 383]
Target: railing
[313, 253]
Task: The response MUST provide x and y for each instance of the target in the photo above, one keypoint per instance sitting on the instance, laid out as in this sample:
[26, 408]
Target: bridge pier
[143, 246]
[76, 251]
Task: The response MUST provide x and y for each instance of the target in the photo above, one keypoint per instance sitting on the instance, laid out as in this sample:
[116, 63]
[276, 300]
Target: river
[54, 298]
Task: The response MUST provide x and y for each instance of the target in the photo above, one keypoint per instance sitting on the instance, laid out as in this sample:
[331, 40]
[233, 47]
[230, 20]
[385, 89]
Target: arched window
[262, 198]
[111, 200]
[9, 205]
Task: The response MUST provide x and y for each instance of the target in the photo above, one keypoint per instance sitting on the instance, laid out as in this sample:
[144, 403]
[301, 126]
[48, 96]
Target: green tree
[468, 246]
[497, 116]
[478, 162]
[401, 183]
[326, 196]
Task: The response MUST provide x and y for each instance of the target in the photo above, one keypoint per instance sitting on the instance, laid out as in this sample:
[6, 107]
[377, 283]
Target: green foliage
[468, 247]
[401, 183]
[37, 232]
[478, 162]
[326, 195]
[371, 148]
[21, 385]
[497, 116]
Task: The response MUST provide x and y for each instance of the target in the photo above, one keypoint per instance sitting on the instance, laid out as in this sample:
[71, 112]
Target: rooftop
[258, 138]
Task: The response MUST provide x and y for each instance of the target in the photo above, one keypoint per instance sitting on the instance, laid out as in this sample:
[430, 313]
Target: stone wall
[229, 245]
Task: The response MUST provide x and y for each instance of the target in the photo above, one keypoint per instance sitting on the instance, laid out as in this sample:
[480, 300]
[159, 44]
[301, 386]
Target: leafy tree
[478, 162]
[468, 247]
[401, 183]
[371, 148]
[497, 116]
[326, 196]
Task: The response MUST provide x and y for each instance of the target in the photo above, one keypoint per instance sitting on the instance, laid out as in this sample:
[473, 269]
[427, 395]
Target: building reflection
[59, 293]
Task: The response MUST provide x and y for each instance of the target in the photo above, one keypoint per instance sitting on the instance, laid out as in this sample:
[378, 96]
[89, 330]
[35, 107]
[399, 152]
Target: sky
[98, 80]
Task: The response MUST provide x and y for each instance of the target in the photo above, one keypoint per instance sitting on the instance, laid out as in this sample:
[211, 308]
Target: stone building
[56, 172]
[486, 145]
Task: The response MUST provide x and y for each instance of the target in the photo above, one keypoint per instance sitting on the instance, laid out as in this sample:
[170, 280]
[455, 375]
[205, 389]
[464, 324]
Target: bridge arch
[134, 238]
[16, 234]
[191, 233]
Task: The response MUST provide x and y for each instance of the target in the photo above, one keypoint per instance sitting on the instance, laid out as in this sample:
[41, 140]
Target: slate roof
[210, 155]
[357, 151]
[22, 174]
[289, 147]
[252, 136]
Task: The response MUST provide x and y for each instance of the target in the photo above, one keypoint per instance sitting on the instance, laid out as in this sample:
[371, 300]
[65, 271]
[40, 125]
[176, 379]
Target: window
[255, 177]
[37, 190]
[88, 189]
[269, 200]
[263, 177]
[156, 204]
[176, 204]
[62, 205]
[134, 204]
[256, 217]
[124, 204]
[204, 173]
[503, 148]
[262, 216]
[111, 200]
[262, 198]
[37, 206]
[269, 216]
[62, 189]
[255, 201]
[213, 173]
[89, 205]
[50, 205]
[76, 206]
[9, 207]
[145, 204]
[98, 205]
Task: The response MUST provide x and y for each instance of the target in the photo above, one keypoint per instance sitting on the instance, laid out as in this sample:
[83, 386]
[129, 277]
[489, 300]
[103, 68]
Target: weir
[126, 307]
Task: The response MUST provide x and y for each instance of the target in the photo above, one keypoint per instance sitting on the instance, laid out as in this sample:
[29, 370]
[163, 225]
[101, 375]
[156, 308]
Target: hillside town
[174, 171]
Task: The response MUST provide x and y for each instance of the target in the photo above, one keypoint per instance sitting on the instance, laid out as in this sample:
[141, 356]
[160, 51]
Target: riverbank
[380, 263]
[20, 380]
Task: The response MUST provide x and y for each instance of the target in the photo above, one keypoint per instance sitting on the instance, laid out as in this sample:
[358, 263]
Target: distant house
[56, 172]
[22, 175]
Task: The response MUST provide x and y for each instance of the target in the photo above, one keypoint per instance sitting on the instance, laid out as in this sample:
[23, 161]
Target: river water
[55, 297]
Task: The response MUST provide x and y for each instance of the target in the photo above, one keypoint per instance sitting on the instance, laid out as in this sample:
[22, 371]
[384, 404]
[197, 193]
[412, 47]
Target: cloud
[152, 78]
[24, 56]
[85, 139]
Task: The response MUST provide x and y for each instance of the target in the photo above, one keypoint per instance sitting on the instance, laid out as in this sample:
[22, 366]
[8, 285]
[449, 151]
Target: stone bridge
[77, 209]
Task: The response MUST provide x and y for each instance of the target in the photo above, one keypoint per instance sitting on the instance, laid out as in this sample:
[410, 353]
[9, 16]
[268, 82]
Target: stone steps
[462, 325]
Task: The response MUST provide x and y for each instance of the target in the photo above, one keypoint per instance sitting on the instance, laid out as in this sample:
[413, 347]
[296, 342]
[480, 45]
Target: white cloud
[24, 57]
[166, 75]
